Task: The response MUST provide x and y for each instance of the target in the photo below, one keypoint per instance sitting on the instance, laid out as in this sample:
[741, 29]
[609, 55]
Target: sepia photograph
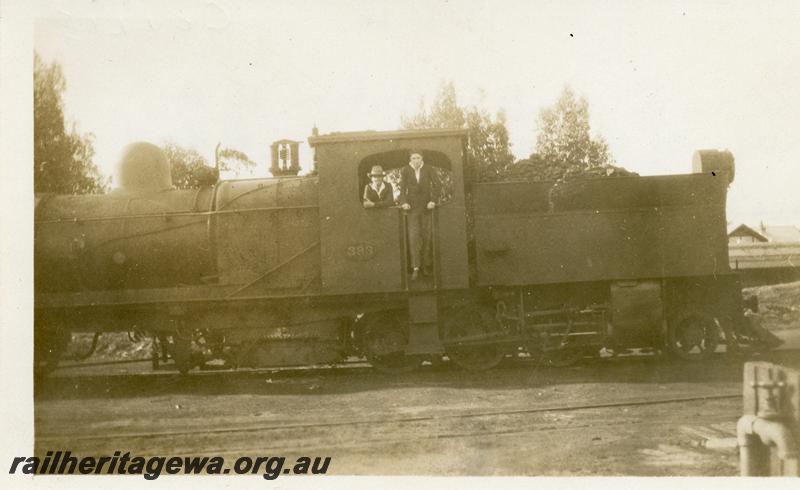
[286, 242]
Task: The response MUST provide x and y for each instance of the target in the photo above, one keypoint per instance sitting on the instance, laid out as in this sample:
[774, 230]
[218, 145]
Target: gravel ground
[516, 420]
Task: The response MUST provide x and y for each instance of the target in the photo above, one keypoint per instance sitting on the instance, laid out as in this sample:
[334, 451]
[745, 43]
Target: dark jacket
[382, 200]
[417, 194]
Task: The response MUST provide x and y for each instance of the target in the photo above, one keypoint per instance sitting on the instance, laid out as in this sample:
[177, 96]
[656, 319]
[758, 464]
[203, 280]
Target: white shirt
[378, 189]
[417, 171]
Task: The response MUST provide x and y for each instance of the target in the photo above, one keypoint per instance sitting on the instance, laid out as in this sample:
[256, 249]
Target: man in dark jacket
[417, 198]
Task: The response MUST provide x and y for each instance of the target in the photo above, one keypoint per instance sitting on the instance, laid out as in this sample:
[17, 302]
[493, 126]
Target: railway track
[274, 426]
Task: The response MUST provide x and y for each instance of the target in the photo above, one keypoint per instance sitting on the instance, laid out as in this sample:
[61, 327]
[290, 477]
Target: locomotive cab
[365, 251]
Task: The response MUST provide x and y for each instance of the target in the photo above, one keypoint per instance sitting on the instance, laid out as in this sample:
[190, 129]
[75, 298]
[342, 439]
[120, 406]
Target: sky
[662, 79]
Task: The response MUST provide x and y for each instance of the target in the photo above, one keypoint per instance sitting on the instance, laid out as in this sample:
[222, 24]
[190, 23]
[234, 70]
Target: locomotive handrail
[404, 234]
[180, 214]
[434, 247]
[271, 208]
[175, 214]
[126, 235]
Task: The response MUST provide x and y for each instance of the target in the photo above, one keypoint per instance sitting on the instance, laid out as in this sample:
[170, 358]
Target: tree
[444, 112]
[62, 157]
[229, 159]
[489, 147]
[564, 146]
[189, 169]
[564, 137]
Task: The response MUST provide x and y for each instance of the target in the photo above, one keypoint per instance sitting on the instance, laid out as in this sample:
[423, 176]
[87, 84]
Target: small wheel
[385, 336]
[564, 357]
[155, 350]
[181, 351]
[694, 337]
[436, 360]
[470, 323]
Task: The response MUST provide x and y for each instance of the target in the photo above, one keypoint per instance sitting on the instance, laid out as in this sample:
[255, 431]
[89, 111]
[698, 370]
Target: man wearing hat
[378, 194]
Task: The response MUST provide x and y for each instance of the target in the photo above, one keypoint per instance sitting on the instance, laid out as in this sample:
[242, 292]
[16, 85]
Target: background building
[765, 254]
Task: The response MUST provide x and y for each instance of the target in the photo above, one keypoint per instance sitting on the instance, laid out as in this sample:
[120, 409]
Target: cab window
[393, 162]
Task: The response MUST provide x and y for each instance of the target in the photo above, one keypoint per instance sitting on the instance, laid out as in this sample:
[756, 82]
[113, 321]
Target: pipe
[754, 436]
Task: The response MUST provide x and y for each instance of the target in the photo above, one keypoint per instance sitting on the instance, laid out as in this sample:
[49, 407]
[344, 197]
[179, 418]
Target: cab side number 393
[360, 251]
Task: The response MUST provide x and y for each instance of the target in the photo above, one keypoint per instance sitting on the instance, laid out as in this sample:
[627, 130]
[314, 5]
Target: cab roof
[337, 137]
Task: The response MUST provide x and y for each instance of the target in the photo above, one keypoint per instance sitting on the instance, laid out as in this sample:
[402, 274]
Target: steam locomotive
[294, 270]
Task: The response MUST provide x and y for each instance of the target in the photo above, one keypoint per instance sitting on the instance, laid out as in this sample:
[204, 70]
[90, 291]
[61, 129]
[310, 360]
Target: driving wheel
[469, 331]
[385, 336]
[693, 337]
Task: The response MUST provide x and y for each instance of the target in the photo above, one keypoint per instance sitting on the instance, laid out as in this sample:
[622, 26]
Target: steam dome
[144, 167]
